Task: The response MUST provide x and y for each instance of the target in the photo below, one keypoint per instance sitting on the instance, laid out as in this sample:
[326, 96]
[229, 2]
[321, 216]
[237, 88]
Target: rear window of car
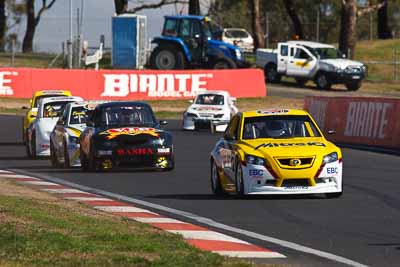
[54, 109]
[36, 103]
[127, 116]
[282, 126]
[79, 115]
[236, 34]
[210, 99]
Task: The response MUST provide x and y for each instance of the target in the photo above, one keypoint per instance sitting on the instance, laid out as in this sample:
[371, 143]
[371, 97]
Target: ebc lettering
[291, 144]
[332, 170]
[255, 172]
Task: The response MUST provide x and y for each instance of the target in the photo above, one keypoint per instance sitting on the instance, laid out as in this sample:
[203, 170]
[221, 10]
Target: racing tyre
[27, 146]
[353, 85]
[215, 180]
[322, 81]
[239, 184]
[53, 156]
[67, 163]
[84, 161]
[271, 74]
[33, 146]
[301, 82]
[333, 195]
[167, 58]
[224, 63]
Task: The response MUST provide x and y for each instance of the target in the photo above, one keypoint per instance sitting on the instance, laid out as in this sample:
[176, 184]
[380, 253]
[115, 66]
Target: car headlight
[364, 68]
[332, 157]
[254, 160]
[73, 140]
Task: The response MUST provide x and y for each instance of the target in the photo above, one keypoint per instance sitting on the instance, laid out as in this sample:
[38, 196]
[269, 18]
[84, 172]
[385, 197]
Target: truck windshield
[325, 52]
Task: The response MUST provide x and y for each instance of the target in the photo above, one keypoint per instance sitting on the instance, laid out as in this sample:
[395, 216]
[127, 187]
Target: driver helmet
[274, 128]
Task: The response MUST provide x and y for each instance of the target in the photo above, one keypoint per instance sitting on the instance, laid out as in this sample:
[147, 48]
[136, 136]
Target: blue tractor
[190, 42]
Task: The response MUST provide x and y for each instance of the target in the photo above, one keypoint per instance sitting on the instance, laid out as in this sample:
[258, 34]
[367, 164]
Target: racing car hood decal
[115, 132]
[276, 147]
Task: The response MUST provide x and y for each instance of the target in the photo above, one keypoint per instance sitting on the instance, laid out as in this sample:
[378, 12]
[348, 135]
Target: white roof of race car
[311, 44]
[216, 92]
[83, 103]
[60, 99]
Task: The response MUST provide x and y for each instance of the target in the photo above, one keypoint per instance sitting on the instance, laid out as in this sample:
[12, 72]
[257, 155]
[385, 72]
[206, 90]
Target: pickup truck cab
[304, 60]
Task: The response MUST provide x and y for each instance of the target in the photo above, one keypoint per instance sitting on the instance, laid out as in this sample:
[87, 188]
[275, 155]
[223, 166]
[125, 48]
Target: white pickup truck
[304, 61]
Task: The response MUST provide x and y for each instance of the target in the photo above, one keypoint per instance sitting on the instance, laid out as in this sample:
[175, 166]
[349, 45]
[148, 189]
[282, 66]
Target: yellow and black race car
[275, 151]
[125, 134]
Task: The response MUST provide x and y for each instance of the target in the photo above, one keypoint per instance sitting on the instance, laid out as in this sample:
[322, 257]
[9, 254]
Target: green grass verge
[45, 233]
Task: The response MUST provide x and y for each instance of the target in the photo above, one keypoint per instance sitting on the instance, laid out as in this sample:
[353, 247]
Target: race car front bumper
[192, 123]
[136, 157]
[259, 180]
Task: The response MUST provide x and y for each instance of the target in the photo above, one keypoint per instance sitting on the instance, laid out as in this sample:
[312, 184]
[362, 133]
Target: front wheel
[27, 147]
[215, 180]
[67, 163]
[239, 184]
[224, 63]
[53, 156]
[353, 85]
[323, 82]
[84, 161]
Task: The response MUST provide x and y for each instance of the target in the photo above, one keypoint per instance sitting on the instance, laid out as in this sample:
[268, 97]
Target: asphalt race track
[362, 226]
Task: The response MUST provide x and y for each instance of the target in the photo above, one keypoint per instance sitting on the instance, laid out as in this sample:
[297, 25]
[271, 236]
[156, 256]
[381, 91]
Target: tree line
[339, 19]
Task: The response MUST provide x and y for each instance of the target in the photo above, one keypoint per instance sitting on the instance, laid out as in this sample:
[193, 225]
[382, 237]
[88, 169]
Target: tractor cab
[188, 42]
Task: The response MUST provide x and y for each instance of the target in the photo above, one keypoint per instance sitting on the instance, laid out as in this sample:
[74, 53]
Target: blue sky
[53, 28]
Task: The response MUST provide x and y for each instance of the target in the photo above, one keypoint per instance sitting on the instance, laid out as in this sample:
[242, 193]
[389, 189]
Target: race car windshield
[53, 109]
[79, 115]
[210, 99]
[127, 116]
[282, 126]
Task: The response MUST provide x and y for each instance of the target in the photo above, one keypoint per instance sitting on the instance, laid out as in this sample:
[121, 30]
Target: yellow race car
[275, 151]
[32, 110]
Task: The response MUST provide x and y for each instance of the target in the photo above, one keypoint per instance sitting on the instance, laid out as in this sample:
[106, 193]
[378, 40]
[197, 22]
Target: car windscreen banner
[131, 84]
[358, 120]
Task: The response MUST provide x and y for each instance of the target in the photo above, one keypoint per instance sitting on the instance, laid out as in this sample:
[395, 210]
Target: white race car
[64, 139]
[38, 133]
[210, 109]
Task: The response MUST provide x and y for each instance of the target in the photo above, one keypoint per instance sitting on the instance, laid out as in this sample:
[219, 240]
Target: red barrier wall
[358, 120]
[132, 85]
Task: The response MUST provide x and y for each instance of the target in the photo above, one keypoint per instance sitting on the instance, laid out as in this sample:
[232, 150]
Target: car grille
[295, 182]
[353, 70]
[305, 162]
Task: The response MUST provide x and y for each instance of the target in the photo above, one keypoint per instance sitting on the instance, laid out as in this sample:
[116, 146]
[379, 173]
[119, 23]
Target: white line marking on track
[89, 198]
[37, 183]
[156, 220]
[63, 191]
[206, 235]
[205, 221]
[250, 254]
[12, 176]
[121, 209]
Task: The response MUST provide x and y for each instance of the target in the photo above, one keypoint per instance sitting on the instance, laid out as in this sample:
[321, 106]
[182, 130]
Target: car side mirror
[331, 132]
[90, 124]
[32, 116]
[24, 107]
[191, 101]
[163, 123]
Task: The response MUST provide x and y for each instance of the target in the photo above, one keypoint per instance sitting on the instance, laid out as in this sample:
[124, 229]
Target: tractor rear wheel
[167, 58]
